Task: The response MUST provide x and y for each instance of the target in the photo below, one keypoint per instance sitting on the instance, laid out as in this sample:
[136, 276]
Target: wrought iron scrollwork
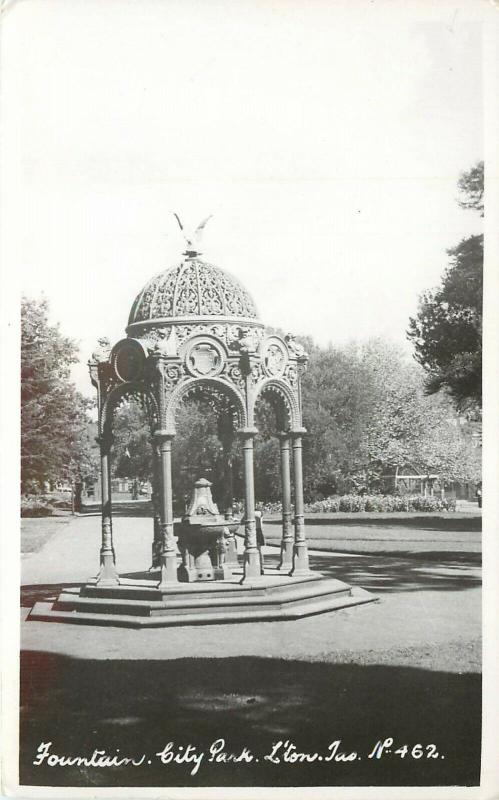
[193, 288]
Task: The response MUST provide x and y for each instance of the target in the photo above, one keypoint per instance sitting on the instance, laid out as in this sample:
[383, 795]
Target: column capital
[163, 434]
[296, 432]
[284, 435]
[247, 433]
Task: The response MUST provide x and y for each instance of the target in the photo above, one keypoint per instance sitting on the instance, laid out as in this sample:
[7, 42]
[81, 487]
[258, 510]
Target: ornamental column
[300, 555]
[228, 499]
[168, 552]
[155, 501]
[287, 543]
[108, 575]
[252, 567]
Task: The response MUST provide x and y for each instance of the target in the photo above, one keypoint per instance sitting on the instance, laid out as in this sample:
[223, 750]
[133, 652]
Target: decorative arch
[273, 388]
[192, 385]
[129, 390]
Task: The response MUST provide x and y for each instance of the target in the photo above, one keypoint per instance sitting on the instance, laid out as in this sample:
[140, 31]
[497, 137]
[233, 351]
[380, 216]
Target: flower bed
[35, 507]
[370, 503]
[381, 503]
[43, 506]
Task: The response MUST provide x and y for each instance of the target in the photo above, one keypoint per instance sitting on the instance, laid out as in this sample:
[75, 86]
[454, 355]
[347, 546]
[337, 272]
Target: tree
[132, 452]
[266, 453]
[54, 434]
[339, 394]
[196, 449]
[367, 415]
[471, 186]
[447, 330]
[411, 430]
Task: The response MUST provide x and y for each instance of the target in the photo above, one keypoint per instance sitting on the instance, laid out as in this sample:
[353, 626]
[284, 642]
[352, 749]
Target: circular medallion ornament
[204, 358]
[128, 362]
[274, 357]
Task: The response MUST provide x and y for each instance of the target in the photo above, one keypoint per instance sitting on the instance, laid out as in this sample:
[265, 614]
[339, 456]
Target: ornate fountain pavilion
[194, 332]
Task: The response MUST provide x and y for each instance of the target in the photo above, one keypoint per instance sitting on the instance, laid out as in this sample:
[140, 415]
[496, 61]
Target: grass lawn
[388, 534]
[36, 531]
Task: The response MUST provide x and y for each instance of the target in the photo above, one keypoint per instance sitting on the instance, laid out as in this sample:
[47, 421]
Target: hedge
[381, 503]
[355, 503]
[351, 503]
[41, 506]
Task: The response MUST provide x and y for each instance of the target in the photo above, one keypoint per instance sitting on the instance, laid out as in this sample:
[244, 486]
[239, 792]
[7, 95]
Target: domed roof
[192, 289]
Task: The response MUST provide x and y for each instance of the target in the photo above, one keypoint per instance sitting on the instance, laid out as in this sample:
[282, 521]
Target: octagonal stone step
[137, 606]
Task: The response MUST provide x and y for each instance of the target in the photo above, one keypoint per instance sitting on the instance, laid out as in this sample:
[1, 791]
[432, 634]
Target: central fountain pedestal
[203, 538]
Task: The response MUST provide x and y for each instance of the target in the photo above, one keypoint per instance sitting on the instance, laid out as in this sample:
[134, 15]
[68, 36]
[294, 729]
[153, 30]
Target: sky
[326, 138]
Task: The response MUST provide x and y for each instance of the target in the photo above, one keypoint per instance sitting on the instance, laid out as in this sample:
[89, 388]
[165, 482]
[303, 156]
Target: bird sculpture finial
[193, 241]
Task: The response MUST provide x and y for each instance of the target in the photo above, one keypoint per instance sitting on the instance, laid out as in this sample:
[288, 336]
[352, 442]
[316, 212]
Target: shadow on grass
[405, 572]
[426, 522]
[140, 706]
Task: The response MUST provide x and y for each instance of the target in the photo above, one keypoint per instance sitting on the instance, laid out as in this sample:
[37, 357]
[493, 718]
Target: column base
[301, 566]
[252, 566]
[107, 575]
[202, 575]
[286, 562]
[155, 556]
[168, 568]
[223, 573]
[231, 553]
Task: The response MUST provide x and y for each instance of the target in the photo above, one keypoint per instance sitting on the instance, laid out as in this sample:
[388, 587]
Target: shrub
[346, 503]
[36, 507]
[328, 505]
[421, 503]
[331, 504]
[375, 502]
[402, 503]
[62, 504]
[32, 487]
[358, 502]
[355, 503]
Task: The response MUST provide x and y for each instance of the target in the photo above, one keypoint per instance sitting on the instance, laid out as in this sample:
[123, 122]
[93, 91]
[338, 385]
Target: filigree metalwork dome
[192, 289]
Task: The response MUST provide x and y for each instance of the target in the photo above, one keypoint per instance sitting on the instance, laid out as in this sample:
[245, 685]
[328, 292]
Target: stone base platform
[137, 602]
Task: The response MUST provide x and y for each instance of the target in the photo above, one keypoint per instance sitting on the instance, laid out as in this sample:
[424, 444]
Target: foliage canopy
[55, 444]
[447, 330]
